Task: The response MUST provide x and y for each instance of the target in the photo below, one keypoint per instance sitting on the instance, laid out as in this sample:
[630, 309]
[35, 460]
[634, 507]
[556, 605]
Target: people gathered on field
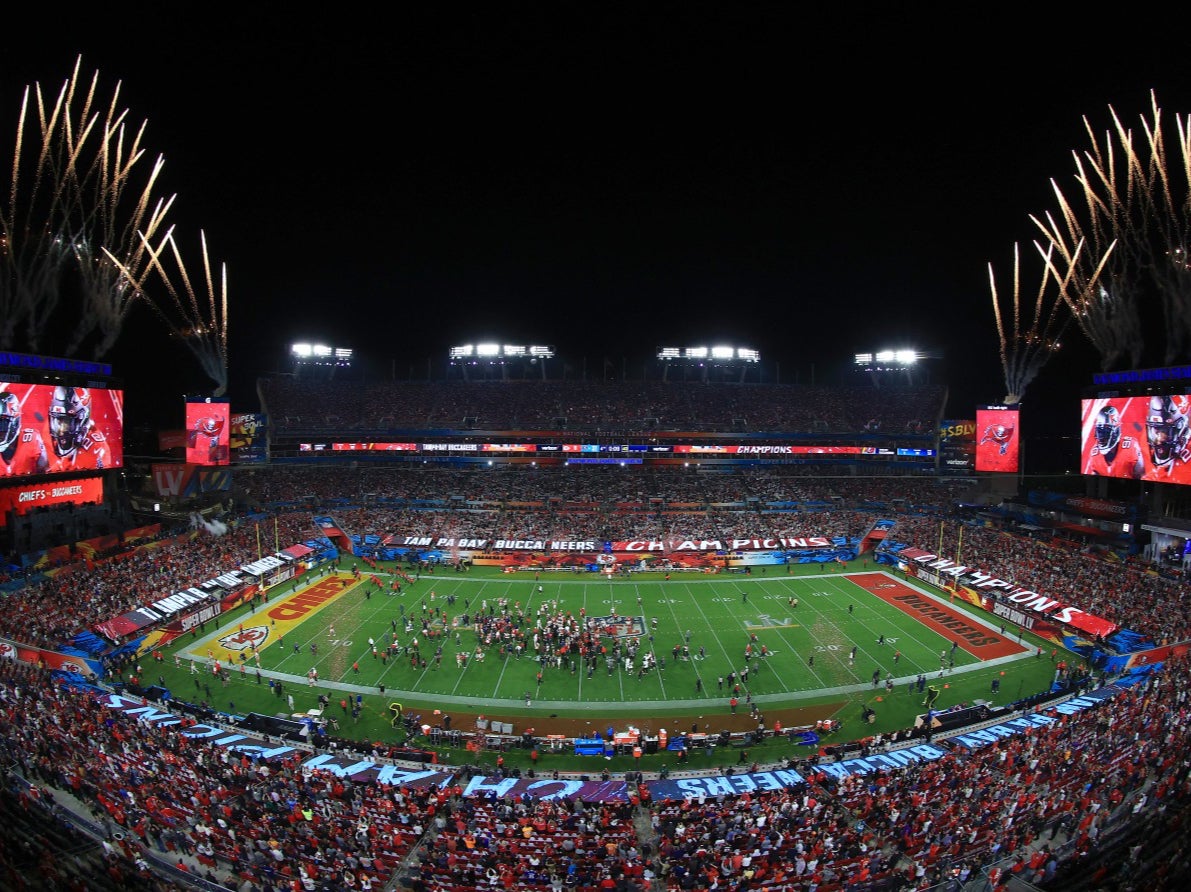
[1048, 800]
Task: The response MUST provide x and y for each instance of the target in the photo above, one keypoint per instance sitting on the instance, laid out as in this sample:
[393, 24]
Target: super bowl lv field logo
[620, 626]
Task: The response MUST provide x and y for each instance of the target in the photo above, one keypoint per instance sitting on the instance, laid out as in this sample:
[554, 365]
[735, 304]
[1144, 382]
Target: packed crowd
[942, 819]
[582, 405]
[1045, 799]
[597, 504]
[276, 826]
[1130, 596]
[586, 487]
[51, 611]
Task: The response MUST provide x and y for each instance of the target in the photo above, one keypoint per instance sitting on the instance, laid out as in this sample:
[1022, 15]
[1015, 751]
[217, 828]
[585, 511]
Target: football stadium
[427, 664]
[511, 624]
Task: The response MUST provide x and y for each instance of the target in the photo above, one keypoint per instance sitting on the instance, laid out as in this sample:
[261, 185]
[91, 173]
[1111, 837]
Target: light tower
[721, 363]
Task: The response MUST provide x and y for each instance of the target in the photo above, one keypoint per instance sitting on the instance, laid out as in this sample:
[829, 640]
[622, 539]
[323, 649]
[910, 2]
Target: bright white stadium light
[885, 355]
[695, 352]
[746, 354]
[322, 351]
[462, 352]
[343, 353]
[669, 353]
[863, 358]
[906, 357]
[513, 350]
[542, 352]
[487, 349]
[722, 352]
[302, 351]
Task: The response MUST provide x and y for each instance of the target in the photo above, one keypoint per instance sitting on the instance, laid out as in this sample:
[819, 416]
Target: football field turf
[809, 635]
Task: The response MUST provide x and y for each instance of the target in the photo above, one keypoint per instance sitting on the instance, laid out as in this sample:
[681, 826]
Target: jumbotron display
[1137, 438]
[999, 445]
[55, 429]
[208, 433]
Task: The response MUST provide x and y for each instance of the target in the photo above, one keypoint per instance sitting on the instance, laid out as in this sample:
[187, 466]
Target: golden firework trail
[1028, 343]
[77, 195]
[1134, 210]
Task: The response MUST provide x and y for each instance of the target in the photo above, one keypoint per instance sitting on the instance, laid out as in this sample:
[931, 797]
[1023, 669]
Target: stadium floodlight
[890, 359]
[311, 355]
[494, 352]
[719, 354]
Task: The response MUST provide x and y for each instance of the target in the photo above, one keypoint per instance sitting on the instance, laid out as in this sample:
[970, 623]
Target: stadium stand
[100, 799]
[591, 405]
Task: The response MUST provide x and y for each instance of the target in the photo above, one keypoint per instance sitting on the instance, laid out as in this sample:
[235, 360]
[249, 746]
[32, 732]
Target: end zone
[979, 640]
[275, 620]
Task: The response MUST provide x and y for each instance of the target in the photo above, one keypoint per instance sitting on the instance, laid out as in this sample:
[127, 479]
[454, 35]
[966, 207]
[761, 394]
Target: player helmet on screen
[1108, 428]
[1166, 428]
[10, 420]
[70, 418]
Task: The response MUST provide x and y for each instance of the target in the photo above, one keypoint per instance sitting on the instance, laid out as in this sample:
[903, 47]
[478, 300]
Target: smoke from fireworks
[1136, 195]
[214, 526]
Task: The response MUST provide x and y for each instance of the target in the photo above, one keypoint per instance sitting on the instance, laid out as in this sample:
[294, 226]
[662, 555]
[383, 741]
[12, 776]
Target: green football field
[810, 646]
[824, 638]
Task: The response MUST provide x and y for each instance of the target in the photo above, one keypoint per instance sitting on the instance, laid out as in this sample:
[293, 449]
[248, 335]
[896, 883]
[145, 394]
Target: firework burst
[199, 321]
[1133, 209]
[1029, 333]
[81, 192]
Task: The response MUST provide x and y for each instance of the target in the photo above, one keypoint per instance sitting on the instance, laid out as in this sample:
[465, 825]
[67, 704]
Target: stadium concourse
[1093, 787]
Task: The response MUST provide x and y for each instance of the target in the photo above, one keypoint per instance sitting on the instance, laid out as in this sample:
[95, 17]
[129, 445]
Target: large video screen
[998, 443]
[54, 429]
[1137, 437]
[208, 433]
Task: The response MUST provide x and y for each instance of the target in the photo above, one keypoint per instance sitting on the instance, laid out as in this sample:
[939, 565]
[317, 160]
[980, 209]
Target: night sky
[606, 179]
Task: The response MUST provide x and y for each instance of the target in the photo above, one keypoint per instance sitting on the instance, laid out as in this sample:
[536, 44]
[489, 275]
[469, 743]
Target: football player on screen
[22, 449]
[1167, 432]
[72, 430]
[1114, 455]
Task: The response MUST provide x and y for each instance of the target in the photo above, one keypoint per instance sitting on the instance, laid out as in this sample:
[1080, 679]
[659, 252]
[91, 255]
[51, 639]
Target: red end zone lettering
[297, 606]
[976, 639]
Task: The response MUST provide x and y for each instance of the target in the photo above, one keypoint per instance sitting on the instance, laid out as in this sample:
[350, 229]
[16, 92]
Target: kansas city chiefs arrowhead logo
[253, 636]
